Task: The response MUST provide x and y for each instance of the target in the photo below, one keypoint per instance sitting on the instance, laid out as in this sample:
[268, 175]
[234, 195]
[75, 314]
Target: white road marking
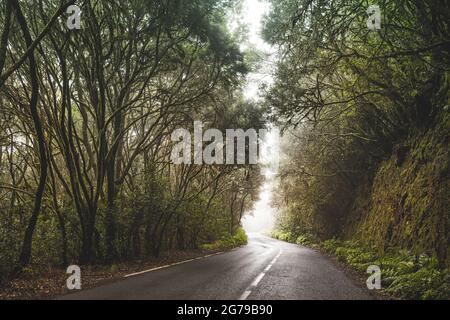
[268, 267]
[255, 282]
[245, 295]
[258, 279]
[170, 265]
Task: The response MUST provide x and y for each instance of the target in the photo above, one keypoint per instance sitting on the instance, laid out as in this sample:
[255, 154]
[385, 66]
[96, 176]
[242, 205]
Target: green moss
[407, 205]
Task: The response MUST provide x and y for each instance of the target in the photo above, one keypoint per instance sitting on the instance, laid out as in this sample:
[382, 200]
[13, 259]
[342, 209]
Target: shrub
[304, 240]
[427, 283]
[283, 236]
[228, 241]
[114, 268]
[403, 274]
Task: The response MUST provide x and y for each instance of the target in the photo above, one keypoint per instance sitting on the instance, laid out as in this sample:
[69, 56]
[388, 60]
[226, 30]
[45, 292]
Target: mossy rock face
[408, 203]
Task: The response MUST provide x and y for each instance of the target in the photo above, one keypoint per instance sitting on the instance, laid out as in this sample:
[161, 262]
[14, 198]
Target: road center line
[268, 267]
[255, 282]
[245, 295]
[258, 279]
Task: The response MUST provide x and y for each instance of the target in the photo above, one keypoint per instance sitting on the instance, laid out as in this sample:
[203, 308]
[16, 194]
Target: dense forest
[366, 116]
[86, 119]
[88, 112]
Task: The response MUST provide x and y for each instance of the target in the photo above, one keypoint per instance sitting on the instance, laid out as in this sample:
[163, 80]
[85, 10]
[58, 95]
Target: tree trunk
[25, 254]
[110, 224]
[87, 252]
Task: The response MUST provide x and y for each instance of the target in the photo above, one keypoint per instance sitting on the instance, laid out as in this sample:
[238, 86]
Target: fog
[261, 218]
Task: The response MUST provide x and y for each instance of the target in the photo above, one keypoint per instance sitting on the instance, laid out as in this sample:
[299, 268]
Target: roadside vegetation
[86, 118]
[228, 241]
[366, 117]
[403, 274]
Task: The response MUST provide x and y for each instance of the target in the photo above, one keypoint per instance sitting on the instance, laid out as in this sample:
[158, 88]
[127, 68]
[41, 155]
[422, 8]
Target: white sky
[253, 13]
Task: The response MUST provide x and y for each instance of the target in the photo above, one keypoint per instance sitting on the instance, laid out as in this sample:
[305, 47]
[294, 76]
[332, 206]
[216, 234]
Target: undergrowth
[403, 274]
[228, 241]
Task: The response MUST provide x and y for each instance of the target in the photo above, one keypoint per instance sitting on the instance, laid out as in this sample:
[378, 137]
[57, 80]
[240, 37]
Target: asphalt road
[264, 269]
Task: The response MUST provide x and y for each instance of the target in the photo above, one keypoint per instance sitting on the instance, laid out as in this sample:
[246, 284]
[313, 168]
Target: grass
[404, 275]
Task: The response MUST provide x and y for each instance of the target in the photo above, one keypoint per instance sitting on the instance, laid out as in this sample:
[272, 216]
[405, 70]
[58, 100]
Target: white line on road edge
[255, 282]
[170, 265]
